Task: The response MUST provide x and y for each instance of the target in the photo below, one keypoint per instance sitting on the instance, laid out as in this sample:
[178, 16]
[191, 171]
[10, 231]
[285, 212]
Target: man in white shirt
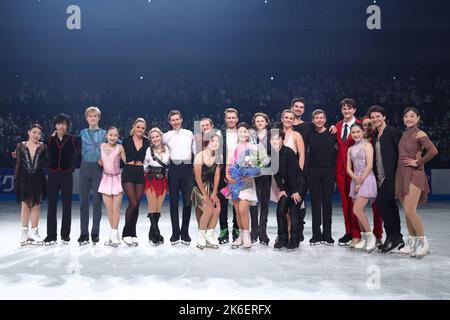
[229, 134]
[180, 144]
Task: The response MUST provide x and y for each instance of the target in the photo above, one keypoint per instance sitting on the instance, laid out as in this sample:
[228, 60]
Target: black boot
[151, 233]
[158, 235]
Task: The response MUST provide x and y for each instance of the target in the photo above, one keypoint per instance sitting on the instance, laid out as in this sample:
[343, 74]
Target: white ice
[180, 272]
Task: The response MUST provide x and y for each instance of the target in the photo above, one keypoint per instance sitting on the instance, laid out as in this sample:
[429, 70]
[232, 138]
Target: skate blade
[37, 243]
[236, 246]
[212, 246]
[23, 244]
[200, 247]
[174, 243]
[51, 243]
[83, 243]
[186, 243]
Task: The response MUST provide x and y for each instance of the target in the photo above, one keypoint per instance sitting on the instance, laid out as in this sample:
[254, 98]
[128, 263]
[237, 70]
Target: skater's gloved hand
[296, 197]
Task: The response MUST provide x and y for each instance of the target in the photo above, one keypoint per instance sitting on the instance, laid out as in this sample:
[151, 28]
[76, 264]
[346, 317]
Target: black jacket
[290, 177]
[389, 141]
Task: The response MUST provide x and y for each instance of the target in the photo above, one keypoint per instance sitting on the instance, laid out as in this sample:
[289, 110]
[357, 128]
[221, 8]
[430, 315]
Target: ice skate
[422, 247]
[128, 241]
[280, 244]
[293, 245]
[24, 237]
[201, 241]
[34, 238]
[65, 240]
[409, 248]
[344, 241]
[371, 242]
[83, 240]
[211, 241]
[237, 243]
[48, 241]
[362, 242]
[95, 239]
[135, 241]
[186, 240]
[246, 239]
[224, 236]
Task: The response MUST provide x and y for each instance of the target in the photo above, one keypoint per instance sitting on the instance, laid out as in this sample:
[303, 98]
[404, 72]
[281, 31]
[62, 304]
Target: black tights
[134, 194]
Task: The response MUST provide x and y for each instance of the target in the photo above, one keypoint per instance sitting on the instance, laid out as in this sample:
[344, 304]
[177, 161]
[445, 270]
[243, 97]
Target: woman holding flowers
[241, 188]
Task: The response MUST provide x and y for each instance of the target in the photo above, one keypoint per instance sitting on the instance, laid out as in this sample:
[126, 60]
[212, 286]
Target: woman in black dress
[133, 179]
[29, 182]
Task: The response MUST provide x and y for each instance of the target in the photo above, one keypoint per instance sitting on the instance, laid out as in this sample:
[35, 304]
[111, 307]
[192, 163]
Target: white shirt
[232, 138]
[349, 124]
[164, 158]
[180, 143]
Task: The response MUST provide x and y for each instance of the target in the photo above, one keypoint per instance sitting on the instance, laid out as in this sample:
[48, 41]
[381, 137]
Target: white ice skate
[201, 241]
[362, 243]
[247, 240]
[135, 241]
[371, 242]
[24, 237]
[237, 243]
[211, 241]
[409, 248]
[422, 248]
[34, 238]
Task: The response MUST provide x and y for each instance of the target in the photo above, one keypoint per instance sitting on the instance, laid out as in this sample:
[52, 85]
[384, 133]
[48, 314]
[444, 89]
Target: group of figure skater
[367, 160]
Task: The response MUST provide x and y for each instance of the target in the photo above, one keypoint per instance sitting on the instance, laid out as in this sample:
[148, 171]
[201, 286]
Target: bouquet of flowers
[248, 164]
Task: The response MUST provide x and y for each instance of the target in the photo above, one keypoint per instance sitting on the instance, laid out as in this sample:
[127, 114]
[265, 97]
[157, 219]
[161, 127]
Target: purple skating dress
[369, 187]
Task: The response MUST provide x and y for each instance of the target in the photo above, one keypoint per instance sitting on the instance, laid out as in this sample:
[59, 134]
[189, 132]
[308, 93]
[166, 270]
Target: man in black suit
[386, 140]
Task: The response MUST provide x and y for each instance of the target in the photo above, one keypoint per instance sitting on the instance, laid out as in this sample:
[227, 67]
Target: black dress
[30, 184]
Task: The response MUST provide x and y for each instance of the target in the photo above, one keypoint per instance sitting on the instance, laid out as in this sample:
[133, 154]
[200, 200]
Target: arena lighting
[141, 77]
[271, 78]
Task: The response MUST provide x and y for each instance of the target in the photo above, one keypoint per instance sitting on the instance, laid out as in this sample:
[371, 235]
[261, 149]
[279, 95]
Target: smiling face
[243, 134]
[214, 143]
[411, 119]
[319, 120]
[287, 119]
[231, 119]
[347, 112]
[93, 118]
[176, 121]
[155, 138]
[61, 128]
[367, 125]
[357, 133]
[377, 119]
[260, 123]
[139, 128]
[113, 136]
[205, 126]
[298, 108]
[34, 135]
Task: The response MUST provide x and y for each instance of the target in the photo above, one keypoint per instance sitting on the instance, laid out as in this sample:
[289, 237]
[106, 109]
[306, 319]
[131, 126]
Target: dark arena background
[143, 58]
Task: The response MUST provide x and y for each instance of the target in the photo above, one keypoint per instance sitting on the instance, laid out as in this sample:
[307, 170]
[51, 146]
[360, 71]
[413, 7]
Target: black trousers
[223, 217]
[283, 205]
[387, 205]
[59, 181]
[321, 187]
[180, 179]
[262, 184]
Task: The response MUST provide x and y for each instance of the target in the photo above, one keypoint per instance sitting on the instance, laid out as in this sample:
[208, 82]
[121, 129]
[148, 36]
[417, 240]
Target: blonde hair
[156, 129]
[286, 111]
[135, 122]
[319, 111]
[92, 109]
[229, 110]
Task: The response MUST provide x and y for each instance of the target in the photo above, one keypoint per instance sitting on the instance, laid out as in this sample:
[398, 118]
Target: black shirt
[130, 149]
[304, 129]
[322, 149]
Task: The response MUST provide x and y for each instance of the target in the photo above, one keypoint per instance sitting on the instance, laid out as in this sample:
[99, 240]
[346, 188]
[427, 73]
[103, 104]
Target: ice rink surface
[181, 272]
